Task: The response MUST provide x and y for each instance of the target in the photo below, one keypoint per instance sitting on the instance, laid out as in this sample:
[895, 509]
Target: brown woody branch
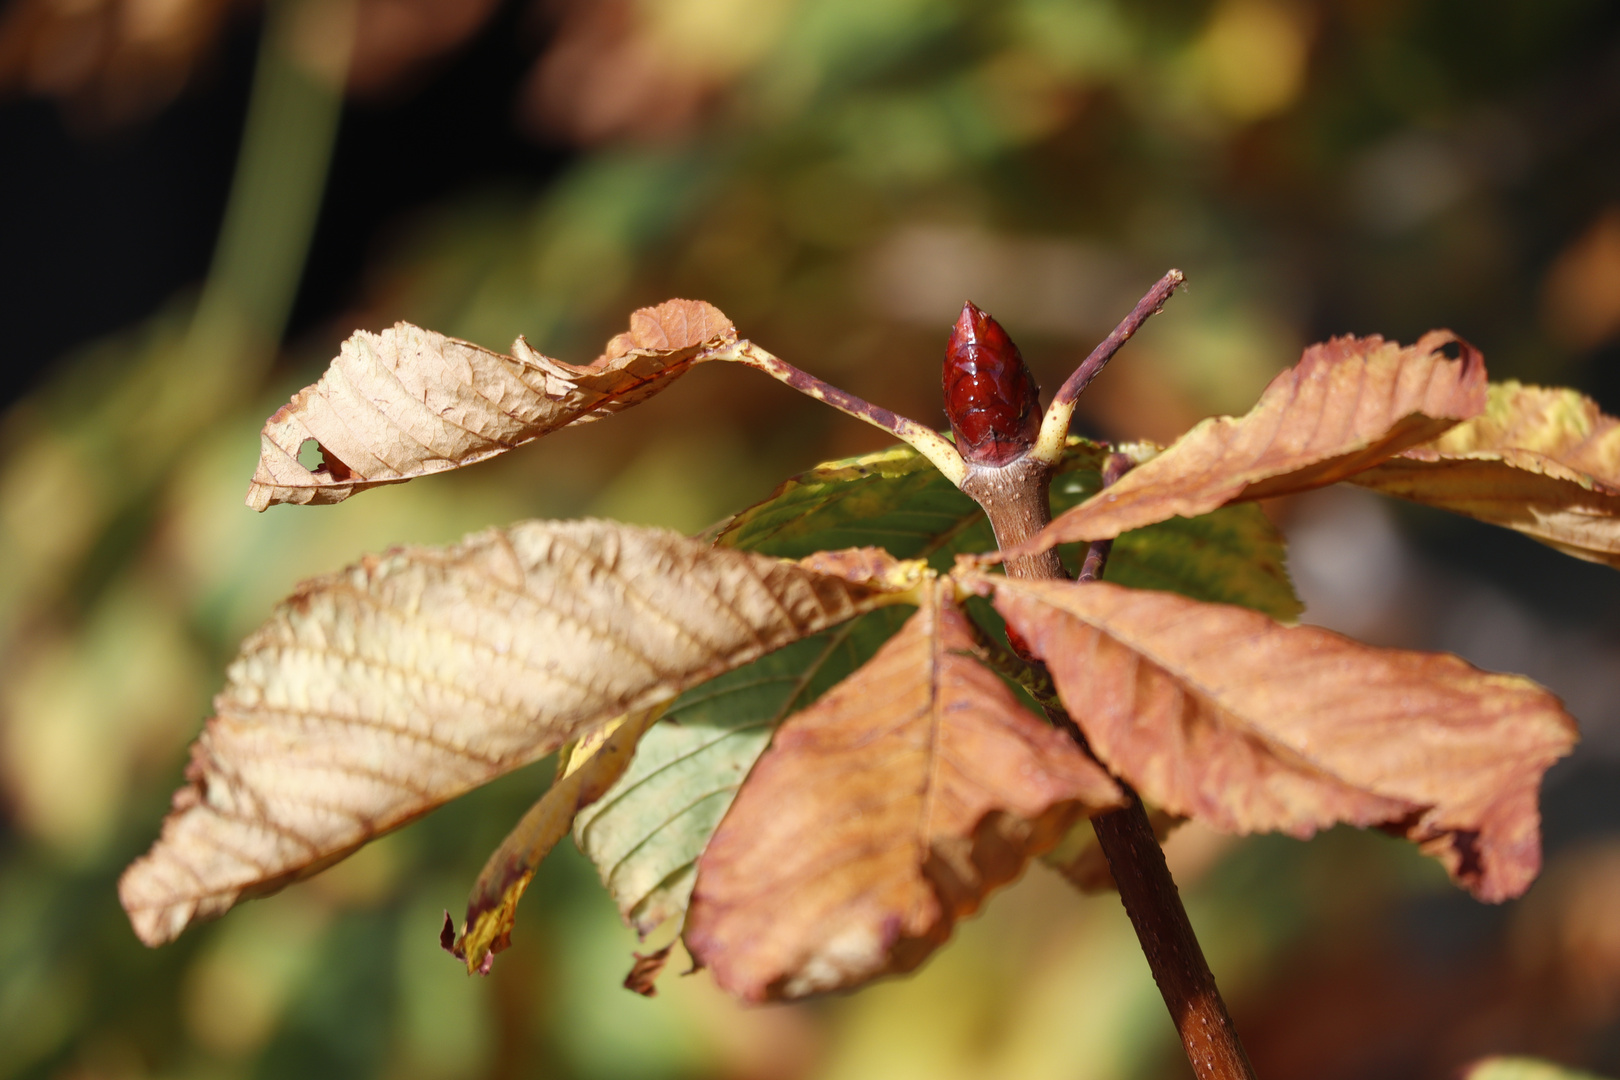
[1014, 497]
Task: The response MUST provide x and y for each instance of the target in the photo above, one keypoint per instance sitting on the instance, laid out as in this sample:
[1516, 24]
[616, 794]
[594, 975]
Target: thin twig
[1055, 424]
[925, 440]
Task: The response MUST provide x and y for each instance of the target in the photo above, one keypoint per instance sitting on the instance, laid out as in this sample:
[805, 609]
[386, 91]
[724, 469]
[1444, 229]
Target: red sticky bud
[991, 399]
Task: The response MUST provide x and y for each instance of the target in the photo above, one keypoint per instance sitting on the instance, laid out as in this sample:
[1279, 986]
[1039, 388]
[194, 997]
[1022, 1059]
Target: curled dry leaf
[375, 694]
[408, 402]
[585, 774]
[1348, 404]
[643, 976]
[1219, 713]
[1545, 462]
[881, 815]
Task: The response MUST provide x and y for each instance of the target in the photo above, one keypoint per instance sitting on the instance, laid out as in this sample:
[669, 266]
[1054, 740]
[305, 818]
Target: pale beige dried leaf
[1218, 713]
[881, 815]
[1543, 461]
[408, 402]
[1348, 404]
[377, 693]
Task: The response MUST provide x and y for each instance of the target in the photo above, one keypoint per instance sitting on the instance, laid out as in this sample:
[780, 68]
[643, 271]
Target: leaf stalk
[925, 440]
[1055, 424]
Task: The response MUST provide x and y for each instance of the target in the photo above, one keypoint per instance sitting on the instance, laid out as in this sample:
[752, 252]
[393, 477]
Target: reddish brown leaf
[409, 402]
[1219, 713]
[373, 695]
[1348, 404]
[1545, 462]
[880, 816]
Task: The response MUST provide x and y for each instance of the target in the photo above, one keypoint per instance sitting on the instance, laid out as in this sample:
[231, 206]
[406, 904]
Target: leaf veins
[375, 694]
[1348, 404]
[881, 815]
[1219, 713]
[408, 402]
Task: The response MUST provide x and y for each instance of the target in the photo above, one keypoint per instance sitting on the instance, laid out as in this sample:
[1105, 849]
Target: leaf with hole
[409, 402]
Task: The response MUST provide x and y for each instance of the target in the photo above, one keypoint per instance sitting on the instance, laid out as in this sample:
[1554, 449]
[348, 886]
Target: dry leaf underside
[377, 693]
[408, 402]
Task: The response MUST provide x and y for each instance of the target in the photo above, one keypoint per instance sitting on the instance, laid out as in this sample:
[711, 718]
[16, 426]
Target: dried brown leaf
[881, 815]
[1219, 713]
[643, 976]
[377, 693]
[1348, 404]
[408, 402]
[1542, 461]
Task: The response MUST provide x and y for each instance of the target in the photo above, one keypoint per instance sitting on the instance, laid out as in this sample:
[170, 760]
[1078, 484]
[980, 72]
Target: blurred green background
[200, 198]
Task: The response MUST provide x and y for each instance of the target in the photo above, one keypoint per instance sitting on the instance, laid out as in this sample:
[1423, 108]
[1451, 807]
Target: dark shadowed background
[200, 198]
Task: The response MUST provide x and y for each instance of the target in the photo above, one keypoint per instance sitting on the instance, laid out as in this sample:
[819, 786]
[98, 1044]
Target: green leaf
[896, 500]
[645, 835]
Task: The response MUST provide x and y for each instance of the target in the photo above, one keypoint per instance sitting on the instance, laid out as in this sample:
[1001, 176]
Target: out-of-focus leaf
[114, 61]
[881, 815]
[1545, 462]
[646, 835]
[1523, 1068]
[643, 976]
[409, 402]
[1080, 859]
[894, 498]
[375, 694]
[589, 770]
[1219, 713]
[1348, 404]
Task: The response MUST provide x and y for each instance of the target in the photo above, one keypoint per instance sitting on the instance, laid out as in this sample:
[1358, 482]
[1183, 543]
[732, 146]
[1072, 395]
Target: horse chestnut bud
[991, 399]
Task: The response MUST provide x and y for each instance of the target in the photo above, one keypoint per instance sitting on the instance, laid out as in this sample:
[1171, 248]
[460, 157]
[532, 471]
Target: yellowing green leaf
[1348, 404]
[584, 776]
[1544, 462]
[646, 835]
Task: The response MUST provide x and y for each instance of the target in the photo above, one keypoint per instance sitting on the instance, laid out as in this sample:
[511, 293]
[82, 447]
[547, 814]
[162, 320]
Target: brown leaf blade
[377, 693]
[1219, 713]
[408, 402]
[1348, 404]
[1542, 461]
[881, 815]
